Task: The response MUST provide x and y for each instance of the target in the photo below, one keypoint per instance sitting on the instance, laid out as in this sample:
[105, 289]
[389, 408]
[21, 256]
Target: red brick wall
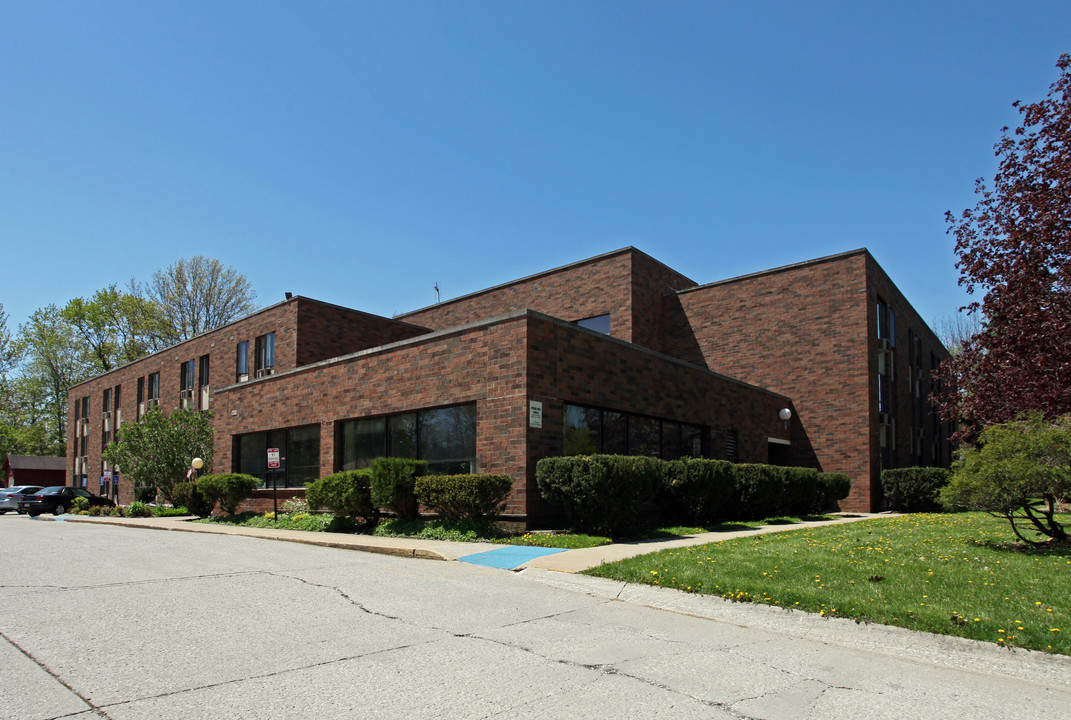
[802, 332]
[483, 364]
[567, 364]
[936, 450]
[500, 366]
[327, 331]
[220, 345]
[627, 284]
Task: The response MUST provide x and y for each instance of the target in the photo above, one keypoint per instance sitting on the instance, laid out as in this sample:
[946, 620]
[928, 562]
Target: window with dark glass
[447, 439]
[643, 435]
[154, 389]
[265, 354]
[444, 437]
[203, 378]
[299, 450]
[583, 430]
[589, 430]
[141, 398]
[106, 420]
[599, 323]
[242, 361]
[116, 406]
[186, 371]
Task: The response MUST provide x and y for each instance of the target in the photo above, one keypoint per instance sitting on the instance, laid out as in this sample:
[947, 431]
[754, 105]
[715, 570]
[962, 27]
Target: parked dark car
[10, 496]
[58, 500]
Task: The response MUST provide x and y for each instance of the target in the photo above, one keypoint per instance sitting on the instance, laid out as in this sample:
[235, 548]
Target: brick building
[617, 353]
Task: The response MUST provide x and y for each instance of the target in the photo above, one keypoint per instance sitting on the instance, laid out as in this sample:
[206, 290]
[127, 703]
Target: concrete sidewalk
[574, 561]
[569, 561]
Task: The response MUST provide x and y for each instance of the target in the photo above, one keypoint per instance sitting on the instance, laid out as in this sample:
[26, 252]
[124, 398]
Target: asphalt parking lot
[106, 621]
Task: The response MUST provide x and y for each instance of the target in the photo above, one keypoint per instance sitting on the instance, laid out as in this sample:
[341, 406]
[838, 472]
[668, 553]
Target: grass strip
[956, 574]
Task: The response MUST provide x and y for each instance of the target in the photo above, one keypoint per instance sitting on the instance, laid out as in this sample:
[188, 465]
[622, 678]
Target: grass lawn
[956, 574]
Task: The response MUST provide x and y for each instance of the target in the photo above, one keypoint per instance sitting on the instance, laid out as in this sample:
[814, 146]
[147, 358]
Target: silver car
[9, 496]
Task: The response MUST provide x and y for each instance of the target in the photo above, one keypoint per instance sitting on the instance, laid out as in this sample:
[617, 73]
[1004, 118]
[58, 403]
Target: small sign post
[273, 470]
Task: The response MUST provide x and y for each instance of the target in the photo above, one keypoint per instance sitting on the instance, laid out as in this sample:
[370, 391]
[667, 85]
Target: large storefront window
[299, 448]
[592, 430]
[445, 437]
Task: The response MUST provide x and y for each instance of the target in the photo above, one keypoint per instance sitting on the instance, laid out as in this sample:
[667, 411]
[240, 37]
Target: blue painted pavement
[510, 556]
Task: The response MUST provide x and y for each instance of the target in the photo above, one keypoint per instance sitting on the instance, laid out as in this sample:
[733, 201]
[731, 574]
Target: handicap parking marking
[510, 556]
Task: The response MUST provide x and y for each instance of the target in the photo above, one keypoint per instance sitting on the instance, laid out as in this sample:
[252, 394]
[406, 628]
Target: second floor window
[186, 384]
[154, 389]
[242, 362]
[265, 350]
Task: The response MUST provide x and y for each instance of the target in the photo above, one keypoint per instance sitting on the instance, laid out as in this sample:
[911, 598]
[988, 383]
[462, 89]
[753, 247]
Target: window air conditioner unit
[243, 377]
[883, 344]
[262, 372]
[153, 402]
[885, 418]
[107, 414]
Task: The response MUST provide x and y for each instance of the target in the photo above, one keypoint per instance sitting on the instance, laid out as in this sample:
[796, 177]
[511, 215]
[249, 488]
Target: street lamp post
[196, 464]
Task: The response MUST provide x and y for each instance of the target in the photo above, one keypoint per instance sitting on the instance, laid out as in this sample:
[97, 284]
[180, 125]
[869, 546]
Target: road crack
[97, 710]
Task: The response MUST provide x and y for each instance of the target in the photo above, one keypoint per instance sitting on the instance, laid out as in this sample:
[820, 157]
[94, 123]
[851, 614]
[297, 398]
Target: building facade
[617, 353]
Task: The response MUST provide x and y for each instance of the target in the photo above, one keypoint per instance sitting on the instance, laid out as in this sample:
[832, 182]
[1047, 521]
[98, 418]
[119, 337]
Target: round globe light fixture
[785, 414]
[198, 463]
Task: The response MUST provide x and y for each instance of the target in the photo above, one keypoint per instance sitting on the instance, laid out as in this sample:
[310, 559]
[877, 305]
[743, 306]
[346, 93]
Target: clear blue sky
[360, 152]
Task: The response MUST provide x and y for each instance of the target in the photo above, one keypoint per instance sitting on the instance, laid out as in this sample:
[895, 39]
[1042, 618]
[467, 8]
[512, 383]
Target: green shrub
[145, 493]
[463, 497]
[452, 530]
[394, 485]
[760, 491]
[228, 489]
[187, 495]
[138, 509]
[347, 493]
[605, 494]
[79, 504]
[915, 489]
[112, 511]
[96, 510]
[803, 491]
[699, 490]
[833, 488]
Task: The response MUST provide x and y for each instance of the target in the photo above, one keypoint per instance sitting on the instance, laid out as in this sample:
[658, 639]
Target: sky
[362, 152]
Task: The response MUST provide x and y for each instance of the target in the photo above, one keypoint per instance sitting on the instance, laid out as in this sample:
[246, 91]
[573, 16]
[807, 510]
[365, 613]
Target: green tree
[116, 327]
[53, 360]
[1018, 471]
[196, 295]
[157, 450]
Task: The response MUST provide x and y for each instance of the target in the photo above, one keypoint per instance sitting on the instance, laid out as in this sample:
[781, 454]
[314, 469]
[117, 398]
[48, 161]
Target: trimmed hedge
[915, 489]
[614, 494]
[803, 491]
[228, 489]
[699, 490]
[463, 497]
[833, 487]
[602, 494]
[187, 495]
[760, 492]
[347, 493]
[394, 485]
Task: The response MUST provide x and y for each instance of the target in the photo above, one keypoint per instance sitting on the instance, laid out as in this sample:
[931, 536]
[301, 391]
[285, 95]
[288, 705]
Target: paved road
[103, 621]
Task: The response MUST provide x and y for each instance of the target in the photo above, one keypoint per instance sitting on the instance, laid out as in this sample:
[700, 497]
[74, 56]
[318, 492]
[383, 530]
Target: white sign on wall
[535, 414]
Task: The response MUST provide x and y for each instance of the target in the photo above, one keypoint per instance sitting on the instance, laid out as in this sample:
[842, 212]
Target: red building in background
[617, 353]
